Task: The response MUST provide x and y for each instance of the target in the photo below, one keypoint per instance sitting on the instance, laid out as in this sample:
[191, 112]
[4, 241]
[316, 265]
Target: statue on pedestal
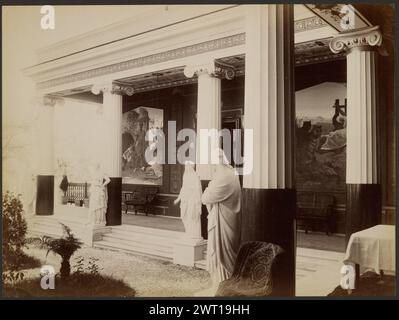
[190, 202]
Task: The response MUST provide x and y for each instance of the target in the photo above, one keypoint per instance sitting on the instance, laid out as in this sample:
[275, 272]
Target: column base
[269, 215]
[114, 208]
[45, 195]
[363, 207]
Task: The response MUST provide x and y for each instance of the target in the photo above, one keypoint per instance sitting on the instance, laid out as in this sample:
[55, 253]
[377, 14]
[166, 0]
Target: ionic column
[363, 208]
[208, 118]
[269, 197]
[112, 146]
[208, 113]
[45, 174]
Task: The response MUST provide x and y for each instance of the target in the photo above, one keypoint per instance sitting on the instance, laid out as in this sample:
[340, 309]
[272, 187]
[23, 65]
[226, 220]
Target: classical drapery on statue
[98, 197]
[223, 200]
[190, 203]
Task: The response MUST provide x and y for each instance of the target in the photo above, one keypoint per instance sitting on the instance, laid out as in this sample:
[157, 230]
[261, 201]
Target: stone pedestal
[94, 233]
[187, 251]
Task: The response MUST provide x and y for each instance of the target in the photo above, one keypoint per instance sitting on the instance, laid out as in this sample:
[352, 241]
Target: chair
[140, 199]
[253, 271]
[314, 207]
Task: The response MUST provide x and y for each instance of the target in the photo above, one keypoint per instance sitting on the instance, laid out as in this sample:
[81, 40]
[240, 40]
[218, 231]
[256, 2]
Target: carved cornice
[362, 39]
[199, 48]
[114, 88]
[215, 69]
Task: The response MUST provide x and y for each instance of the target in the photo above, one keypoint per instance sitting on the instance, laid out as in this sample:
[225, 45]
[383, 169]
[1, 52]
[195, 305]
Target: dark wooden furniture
[78, 193]
[140, 199]
[314, 207]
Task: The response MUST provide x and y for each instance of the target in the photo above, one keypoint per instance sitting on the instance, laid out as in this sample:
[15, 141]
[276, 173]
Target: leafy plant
[79, 265]
[11, 277]
[65, 247]
[91, 267]
[14, 229]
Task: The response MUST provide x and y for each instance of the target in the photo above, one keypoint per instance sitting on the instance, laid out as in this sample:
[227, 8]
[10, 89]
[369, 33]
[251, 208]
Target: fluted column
[269, 199]
[46, 170]
[112, 146]
[208, 114]
[209, 118]
[112, 113]
[362, 172]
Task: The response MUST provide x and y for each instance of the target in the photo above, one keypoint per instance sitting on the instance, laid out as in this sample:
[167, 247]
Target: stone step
[164, 248]
[159, 233]
[52, 232]
[142, 238]
[50, 226]
[57, 224]
[131, 248]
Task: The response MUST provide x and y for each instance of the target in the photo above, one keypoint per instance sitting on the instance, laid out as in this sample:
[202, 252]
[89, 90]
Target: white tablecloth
[373, 248]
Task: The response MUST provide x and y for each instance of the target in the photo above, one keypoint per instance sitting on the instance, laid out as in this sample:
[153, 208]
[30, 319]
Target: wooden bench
[140, 199]
[314, 207]
[78, 193]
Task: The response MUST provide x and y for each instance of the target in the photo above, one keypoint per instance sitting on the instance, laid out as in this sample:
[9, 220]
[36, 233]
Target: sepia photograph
[198, 151]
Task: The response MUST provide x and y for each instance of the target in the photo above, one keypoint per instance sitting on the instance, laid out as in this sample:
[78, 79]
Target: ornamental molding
[215, 69]
[360, 39]
[309, 24]
[115, 88]
[178, 53]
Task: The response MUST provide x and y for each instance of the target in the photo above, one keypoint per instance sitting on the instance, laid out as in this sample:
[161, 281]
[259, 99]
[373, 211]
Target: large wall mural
[321, 137]
[135, 124]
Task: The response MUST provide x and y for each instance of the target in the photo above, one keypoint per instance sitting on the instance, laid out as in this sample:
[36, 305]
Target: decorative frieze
[195, 49]
[309, 24]
[360, 39]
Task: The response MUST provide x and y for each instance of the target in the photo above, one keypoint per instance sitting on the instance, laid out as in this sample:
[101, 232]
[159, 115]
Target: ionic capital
[362, 39]
[215, 69]
[115, 88]
[51, 100]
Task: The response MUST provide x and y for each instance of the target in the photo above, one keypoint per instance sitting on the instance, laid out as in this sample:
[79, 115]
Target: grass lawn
[83, 285]
[148, 276]
[21, 261]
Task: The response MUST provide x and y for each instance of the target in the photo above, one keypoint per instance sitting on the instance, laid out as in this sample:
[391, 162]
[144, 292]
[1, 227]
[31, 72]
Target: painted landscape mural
[321, 137]
[135, 124]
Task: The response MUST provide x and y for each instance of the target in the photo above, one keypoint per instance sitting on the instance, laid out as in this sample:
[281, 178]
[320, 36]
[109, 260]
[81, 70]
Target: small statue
[98, 197]
[190, 202]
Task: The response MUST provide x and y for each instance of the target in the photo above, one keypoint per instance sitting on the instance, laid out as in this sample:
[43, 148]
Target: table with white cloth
[372, 248]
